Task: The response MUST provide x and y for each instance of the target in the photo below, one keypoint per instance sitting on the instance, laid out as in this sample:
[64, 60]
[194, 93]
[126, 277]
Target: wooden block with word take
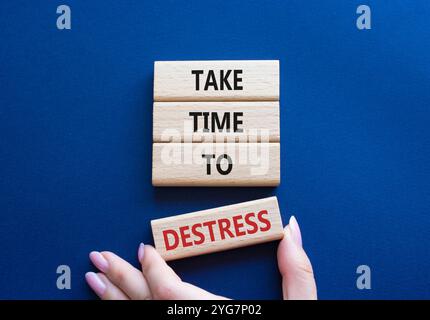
[251, 80]
[218, 229]
[249, 121]
[216, 164]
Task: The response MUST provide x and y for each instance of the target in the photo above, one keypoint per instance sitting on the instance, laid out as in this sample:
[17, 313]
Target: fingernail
[99, 261]
[140, 252]
[295, 231]
[95, 283]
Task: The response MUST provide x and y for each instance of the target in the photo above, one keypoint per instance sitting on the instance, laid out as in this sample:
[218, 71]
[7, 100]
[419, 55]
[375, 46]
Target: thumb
[164, 283]
[298, 282]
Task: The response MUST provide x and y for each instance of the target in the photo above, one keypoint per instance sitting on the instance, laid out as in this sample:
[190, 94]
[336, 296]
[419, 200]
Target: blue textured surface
[75, 139]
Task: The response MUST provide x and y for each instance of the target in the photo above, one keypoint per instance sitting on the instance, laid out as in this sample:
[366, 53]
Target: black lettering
[206, 122]
[237, 79]
[224, 79]
[211, 81]
[229, 161]
[237, 121]
[225, 122]
[195, 115]
[208, 162]
[197, 73]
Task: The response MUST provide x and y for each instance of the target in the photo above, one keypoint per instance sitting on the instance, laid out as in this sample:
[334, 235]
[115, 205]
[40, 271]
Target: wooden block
[250, 80]
[218, 229]
[216, 121]
[216, 164]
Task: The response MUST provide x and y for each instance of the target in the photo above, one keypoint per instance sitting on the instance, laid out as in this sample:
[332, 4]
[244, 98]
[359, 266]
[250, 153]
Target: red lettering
[166, 239]
[209, 225]
[238, 225]
[264, 220]
[251, 223]
[185, 236]
[224, 227]
[197, 233]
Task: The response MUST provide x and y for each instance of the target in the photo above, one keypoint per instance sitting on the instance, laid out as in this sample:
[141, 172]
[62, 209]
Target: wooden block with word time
[216, 164]
[252, 80]
[218, 229]
[248, 121]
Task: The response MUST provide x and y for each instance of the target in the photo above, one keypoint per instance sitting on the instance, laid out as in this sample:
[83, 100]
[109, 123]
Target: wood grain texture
[230, 164]
[174, 80]
[218, 229]
[250, 121]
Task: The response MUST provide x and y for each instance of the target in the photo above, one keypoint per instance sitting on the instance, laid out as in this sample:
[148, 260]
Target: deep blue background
[76, 125]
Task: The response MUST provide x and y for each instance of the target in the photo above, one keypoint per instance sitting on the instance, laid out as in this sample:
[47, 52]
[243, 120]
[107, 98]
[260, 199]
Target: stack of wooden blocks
[216, 123]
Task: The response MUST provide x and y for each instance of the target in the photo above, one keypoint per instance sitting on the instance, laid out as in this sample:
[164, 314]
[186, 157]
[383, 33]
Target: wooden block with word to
[250, 80]
[250, 121]
[218, 229]
[216, 164]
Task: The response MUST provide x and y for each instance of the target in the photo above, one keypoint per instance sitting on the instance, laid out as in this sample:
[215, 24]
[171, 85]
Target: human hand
[119, 280]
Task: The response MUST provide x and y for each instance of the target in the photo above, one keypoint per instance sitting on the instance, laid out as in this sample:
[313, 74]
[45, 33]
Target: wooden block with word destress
[251, 80]
[218, 229]
[249, 121]
[216, 164]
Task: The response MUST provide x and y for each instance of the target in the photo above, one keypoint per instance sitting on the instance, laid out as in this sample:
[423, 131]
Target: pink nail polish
[99, 261]
[95, 283]
[295, 231]
[140, 252]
